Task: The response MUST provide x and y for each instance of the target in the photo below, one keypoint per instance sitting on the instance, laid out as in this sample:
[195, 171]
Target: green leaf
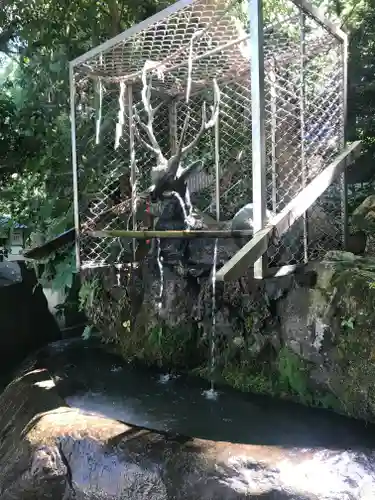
[87, 332]
[55, 67]
[64, 274]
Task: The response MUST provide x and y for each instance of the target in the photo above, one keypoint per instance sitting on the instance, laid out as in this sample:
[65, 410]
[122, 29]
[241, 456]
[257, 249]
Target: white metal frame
[257, 245]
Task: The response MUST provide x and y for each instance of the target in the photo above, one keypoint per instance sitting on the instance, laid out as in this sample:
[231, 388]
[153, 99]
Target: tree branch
[115, 15]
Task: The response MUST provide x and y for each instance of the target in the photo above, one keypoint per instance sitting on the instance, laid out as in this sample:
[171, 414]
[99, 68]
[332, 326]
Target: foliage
[37, 40]
[87, 332]
[87, 293]
[58, 271]
[348, 323]
[292, 374]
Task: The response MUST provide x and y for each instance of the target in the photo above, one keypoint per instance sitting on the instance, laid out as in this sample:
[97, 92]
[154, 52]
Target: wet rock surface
[363, 221]
[363, 217]
[290, 336]
[55, 443]
[26, 322]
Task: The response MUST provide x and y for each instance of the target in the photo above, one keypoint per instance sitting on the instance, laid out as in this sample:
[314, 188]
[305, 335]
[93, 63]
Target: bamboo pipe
[146, 235]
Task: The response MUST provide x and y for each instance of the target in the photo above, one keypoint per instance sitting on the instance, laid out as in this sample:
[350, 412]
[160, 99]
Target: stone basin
[79, 423]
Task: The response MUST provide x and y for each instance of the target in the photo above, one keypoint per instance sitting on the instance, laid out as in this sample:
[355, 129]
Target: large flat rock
[49, 449]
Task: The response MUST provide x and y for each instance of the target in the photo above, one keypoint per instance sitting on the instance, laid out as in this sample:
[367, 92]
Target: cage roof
[207, 32]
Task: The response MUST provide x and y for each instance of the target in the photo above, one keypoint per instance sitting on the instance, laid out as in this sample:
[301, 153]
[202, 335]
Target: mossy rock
[353, 285]
[337, 344]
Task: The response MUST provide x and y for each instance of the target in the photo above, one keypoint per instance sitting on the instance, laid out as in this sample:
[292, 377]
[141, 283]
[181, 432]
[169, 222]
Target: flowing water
[275, 446]
[88, 377]
[211, 393]
[186, 211]
[159, 259]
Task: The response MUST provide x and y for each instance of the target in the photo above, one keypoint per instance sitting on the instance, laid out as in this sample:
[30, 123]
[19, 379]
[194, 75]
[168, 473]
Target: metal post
[258, 125]
[273, 95]
[217, 169]
[74, 163]
[303, 130]
[133, 164]
[343, 180]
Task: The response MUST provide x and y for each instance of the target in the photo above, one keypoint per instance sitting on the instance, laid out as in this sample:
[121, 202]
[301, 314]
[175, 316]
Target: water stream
[90, 378]
[211, 393]
[258, 447]
[159, 259]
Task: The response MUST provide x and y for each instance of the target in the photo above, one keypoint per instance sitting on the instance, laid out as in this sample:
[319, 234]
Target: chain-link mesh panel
[210, 23]
[233, 157]
[101, 169]
[303, 118]
[326, 218]
[105, 170]
[303, 124]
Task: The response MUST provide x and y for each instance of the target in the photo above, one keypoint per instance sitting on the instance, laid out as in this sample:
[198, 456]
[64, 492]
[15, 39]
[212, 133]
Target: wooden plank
[250, 253]
[42, 251]
[246, 256]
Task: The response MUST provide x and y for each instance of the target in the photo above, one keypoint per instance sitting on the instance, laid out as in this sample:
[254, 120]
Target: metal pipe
[319, 16]
[74, 164]
[272, 78]
[303, 131]
[217, 168]
[343, 180]
[133, 163]
[134, 30]
[258, 124]
[183, 62]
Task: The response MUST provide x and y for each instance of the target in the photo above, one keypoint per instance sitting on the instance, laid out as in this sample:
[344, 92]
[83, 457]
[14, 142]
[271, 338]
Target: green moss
[293, 376]
[249, 324]
[245, 376]
[286, 377]
[161, 345]
[351, 289]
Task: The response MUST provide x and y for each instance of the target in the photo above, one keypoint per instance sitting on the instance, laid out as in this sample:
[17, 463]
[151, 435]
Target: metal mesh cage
[193, 43]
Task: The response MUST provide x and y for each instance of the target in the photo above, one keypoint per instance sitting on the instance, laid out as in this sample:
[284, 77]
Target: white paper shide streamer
[99, 116]
[121, 114]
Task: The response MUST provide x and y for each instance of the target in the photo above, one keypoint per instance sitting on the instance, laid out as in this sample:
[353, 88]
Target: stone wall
[308, 337]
